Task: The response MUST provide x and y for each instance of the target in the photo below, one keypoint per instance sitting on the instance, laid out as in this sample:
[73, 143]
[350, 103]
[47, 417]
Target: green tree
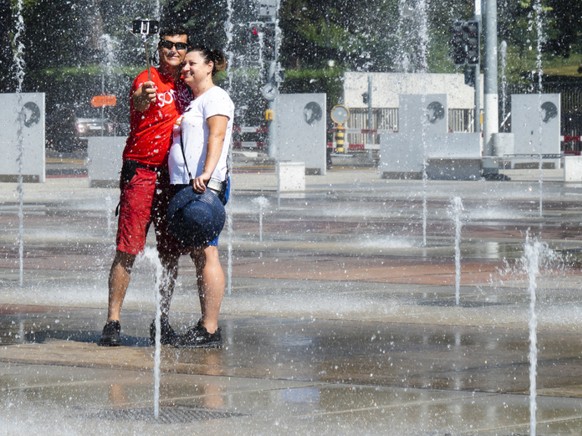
[350, 34]
[74, 48]
[204, 19]
[566, 19]
[6, 36]
[69, 44]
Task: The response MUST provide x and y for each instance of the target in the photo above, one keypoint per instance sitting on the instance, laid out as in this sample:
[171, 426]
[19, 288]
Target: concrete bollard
[573, 169]
[104, 163]
[290, 176]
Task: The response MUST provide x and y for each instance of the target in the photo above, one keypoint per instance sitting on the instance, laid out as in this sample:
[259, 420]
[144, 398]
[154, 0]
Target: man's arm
[143, 96]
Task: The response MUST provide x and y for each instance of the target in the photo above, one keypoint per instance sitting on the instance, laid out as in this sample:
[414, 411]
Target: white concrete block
[105, 159]
[573, 169]
[503, 144]
[290, 176]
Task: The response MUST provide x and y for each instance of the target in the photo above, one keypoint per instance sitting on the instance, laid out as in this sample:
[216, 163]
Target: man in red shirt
[158, 98]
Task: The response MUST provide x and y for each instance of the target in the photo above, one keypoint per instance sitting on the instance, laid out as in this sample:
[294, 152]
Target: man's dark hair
[173, 30]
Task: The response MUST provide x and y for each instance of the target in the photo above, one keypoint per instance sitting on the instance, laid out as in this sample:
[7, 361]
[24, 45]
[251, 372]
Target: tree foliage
[6, 81]
[204, 19]
[354, 35]
[70, 43]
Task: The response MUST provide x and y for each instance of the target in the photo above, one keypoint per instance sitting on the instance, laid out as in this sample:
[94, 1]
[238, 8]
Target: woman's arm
[217, 131]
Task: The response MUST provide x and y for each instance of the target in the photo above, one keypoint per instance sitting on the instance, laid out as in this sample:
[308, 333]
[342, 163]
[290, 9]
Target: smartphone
[146, 27]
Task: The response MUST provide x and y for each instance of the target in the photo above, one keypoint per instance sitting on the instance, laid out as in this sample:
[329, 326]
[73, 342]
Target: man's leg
[168, 247]
[119, 277]
[168, 254]
[211, 284]
[169, 261]
[137, 193]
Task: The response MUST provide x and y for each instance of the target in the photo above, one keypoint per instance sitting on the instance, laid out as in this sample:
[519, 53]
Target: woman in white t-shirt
[198, 157]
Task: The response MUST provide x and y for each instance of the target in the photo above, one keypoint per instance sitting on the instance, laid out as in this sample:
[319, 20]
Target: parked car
[61, 132]
[66, 133]
[94, 127]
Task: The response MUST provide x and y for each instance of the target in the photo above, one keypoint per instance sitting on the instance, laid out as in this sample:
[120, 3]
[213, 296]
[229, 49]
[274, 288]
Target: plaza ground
[340, 315]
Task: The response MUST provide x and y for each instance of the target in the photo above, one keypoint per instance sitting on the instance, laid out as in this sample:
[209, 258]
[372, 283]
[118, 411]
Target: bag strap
[184, 155]
[186, 162]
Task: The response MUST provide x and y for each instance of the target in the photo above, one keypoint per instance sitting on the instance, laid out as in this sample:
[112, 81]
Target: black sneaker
[168, 336]
[110, 336]
[198, 337]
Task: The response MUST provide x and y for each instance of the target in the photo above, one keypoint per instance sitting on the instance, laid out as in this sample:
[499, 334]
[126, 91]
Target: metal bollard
[339, 138]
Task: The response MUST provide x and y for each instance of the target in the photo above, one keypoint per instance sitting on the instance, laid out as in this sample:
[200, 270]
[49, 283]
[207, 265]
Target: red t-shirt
[150, 133]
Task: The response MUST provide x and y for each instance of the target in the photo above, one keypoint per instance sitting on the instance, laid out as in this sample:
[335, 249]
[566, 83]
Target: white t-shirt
[194, 130]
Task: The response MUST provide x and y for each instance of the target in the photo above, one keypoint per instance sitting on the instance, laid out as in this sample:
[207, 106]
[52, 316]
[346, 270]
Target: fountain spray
[146, 28]
[415, 16]
[456, 211]
[228, 28]
[503, 54]
[19, 65]
[532, 254]
[151, 255]
[262, 202]
[538, 10]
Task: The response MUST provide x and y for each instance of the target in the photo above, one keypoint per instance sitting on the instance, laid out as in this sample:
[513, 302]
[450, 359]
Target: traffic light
[457, 49]
[365, 98]
[465, 42]
[470, 75]
[255, 32]
[269, 41]
[471, 34]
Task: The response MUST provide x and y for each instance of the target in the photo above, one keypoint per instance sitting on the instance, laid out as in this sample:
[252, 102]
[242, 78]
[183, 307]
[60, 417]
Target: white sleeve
[219, 104]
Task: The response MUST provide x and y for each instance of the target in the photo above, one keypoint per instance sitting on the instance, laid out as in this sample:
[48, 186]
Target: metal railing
[386, 120]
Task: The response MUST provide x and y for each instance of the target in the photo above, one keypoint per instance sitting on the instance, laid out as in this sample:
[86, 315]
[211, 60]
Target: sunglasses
[169, 44]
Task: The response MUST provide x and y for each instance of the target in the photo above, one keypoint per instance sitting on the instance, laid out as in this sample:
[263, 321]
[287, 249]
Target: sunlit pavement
[341, 315]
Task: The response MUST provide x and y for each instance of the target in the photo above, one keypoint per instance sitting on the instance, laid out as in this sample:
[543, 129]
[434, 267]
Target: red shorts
[144, 200]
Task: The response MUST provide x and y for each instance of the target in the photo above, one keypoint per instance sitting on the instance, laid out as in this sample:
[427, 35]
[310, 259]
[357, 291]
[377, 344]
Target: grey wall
[535, 123]
[423, 139]
[300, 130]
[420, 131]
[387, 87]
[22, 121]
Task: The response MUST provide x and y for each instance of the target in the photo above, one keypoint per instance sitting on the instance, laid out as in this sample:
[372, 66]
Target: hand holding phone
[144, 96]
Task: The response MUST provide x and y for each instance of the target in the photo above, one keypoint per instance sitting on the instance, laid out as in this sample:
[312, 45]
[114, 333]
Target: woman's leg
[211, 284]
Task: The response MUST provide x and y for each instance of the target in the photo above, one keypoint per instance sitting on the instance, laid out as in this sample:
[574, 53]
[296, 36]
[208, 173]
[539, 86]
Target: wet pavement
[340, 316]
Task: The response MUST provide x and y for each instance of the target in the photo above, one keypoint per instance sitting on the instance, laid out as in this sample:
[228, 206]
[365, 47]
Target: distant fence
[463, 120]
[386, 119]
